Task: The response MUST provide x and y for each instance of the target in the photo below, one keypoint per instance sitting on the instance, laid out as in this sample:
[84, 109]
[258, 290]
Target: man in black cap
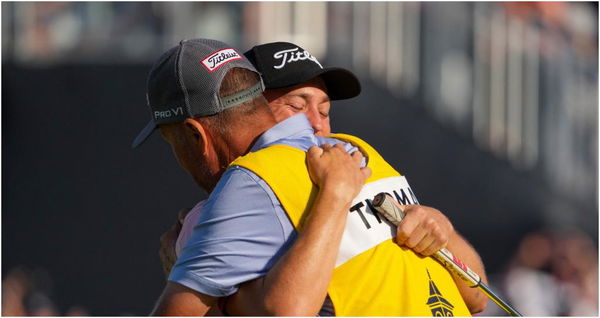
[285, 67]
[287, 57]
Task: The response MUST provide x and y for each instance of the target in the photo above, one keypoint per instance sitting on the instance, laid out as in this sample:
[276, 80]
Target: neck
[225, 148]
[240, 143]
[245, 134]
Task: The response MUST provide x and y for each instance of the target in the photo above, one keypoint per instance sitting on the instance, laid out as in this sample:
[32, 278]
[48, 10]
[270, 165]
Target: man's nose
[314, 117]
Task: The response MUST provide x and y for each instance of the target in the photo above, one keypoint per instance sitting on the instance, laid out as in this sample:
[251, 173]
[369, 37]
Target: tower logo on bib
[440, 306]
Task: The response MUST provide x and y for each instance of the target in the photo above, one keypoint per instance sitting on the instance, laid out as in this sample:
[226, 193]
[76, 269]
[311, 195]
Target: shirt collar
[293, 127]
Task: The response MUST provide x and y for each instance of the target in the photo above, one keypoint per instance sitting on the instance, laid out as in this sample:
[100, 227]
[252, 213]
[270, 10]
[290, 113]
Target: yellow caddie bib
[373, 275]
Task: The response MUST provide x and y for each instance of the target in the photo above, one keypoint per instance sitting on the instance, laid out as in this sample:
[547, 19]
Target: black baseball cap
[284, 64]
[185, 81]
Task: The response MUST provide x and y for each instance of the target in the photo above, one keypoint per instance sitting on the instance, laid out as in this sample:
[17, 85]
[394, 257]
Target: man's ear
[199, 133]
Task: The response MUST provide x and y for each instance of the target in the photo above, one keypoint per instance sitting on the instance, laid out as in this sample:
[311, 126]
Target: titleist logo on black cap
[293, 55]
[220, 58]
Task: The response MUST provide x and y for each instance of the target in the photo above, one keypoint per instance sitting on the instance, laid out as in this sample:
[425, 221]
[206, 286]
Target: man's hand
[332, 167]
[424, 230]
[168, 239]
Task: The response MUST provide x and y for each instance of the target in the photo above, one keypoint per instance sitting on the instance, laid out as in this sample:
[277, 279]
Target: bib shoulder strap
[380, 168]
[283, 168]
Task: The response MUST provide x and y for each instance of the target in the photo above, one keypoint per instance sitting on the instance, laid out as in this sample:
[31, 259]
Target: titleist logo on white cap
[220, 58]
[293, 55]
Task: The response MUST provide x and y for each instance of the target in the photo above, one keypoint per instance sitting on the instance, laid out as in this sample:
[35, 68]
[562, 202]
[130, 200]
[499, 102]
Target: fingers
[358, 157]
[431, 249]
[182, 214]
[406, 227]
[166, 250]
[315, 152]
[366, 172]
[424, 230]
[337, 149]
[423, 244]
[416, 237]
[331, 166]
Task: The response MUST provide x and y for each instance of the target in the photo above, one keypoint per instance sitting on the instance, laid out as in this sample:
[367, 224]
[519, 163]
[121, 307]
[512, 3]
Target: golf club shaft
[501, 303]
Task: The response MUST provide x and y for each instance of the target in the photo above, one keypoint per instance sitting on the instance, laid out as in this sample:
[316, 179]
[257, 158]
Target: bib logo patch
[220, 58]
[440, 306]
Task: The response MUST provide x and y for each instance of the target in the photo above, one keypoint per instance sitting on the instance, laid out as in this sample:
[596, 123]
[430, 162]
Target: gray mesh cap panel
[204, 65]
[200, 83]
[185, 83]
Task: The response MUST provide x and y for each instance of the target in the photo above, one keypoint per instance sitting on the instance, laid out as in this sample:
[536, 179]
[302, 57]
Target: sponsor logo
[220, 58]
[171, 112]
[459, 263]
[293, 55]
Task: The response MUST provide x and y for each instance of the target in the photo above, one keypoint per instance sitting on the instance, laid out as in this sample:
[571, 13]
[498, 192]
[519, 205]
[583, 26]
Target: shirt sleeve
[190, 220]
[241, 233]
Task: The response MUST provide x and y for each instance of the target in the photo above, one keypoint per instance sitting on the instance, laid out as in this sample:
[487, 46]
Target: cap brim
[340, 83]
[144, 134]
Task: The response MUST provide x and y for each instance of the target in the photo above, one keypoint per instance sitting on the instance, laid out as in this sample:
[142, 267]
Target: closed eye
[296, 107]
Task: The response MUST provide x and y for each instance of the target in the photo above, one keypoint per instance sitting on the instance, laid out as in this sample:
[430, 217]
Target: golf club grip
[384, 205]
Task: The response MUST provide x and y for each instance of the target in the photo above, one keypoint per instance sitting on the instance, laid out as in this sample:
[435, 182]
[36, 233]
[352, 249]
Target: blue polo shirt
[243, 230]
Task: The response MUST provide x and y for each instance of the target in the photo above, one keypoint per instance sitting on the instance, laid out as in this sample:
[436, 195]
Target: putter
[384, 205]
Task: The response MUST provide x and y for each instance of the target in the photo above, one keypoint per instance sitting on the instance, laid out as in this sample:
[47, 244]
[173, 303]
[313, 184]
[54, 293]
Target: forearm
[297, 284]
[476, 301]
[178, 300]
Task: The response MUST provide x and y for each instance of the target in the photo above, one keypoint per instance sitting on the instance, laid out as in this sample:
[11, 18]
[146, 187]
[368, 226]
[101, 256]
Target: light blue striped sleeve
[241, 233]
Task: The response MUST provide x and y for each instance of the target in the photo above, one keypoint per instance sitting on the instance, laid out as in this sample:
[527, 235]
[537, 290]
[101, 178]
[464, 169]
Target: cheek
[211, 166]
[185, 157]
[326, 127]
